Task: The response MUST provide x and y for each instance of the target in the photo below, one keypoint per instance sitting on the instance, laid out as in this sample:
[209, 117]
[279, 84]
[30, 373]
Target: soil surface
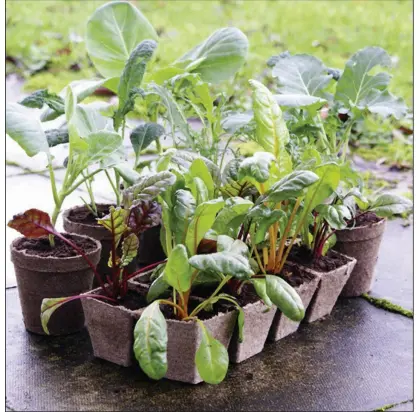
[303, 256]
[86, 217]
[295, 276]
[218, 307]
[132, 300]
[365, 219]
[41, 246]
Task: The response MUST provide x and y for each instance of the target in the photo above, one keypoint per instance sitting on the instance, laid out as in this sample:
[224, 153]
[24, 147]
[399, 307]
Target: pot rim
[70, 259]
[66, 215]
[364, 227]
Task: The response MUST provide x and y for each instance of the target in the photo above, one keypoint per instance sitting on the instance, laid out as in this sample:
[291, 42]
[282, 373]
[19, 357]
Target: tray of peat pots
[361, 237]
[51, 264]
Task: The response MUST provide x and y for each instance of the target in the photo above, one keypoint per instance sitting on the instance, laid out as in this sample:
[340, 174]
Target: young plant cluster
[226, 220]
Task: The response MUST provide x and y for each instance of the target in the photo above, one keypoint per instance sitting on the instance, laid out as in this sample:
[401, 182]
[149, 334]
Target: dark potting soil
[132, 300]
[247, 295]
[86, 217]
[218, 307]
[303, 256]
[295, 276]
[365, 219]
[41, 246]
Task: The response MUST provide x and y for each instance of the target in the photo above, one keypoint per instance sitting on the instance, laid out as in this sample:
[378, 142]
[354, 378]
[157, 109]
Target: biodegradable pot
[329, 288]
[184, 339]
[257, 324]
[362, 243]
[111, 329]
[283, 326]
[150, 248]
[52, 277]
[97, 232]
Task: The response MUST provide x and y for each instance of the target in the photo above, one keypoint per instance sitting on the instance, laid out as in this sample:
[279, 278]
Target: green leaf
[228, 244]
[334, 215]
[228, 263]
[301, 74]
[148, 187]
[112, 33]
[157, 288]
[57, 136]
[285, 298]
[272, 133]
[199, 190]
[265, 217]
[387, 205]
[261, 290]
[43, 97]
[150, 342]
[130, 248]
[300, 101]
[25, 129]
[202, 221]
[231, 216]
[134, 69]
[182, 214]
[88, 119]
[48, 307]
[357, 88]
[101, 145]
[70, 103]
[211, 358]
[290, 186]
[236, 121]
[127, 173]
[142, 136]
[257, 167]
[219, 57]
[199, 169]
[178, 271]
[115, 222]
[241, 324]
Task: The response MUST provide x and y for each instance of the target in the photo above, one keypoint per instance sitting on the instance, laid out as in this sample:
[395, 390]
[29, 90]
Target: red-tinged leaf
[144, 216]
[33, 223]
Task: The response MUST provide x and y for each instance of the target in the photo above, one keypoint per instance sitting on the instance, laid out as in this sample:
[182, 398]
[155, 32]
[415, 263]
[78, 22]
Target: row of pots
[111, 327]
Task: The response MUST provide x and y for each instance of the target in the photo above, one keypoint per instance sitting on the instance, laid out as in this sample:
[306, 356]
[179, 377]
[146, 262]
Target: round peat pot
[361, 243]
[40, 277]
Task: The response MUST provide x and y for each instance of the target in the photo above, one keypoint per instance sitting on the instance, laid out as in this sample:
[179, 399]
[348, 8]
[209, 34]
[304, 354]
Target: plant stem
[346, 138]
[114, 188]
[168, 302]
[257, 257]
[77, 184]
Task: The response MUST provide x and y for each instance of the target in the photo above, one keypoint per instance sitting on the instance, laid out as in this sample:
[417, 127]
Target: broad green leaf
[112, 33]
[261, 290]
[236, 121]
[25, 129]
[272, 133]
[157, 288]
[130, 246]
[256, 167]
[211, 358]
[231, 216]
[219, 57]
[182, 214]
[334, 215]
[387, 205]
[48, 307]
[285, 298]
[142, 136]
[101, 145]
[228, 244]
[301, 74]
[199, 169]
[228, 263]
[87, 119]
[115, 222]
[159, 76]
[178, 271]
[127, 173]
[202, 221]
[357, 88]
[290, 186]
[150, 342]
[300, 101]
[199, 190]
[149, 186]
[266, 221]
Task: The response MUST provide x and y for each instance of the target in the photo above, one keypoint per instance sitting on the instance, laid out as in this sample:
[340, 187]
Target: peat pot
[329, 287]
[258, 320]
[111, 326]
[40, 277]
[283, 326]
[361, 243]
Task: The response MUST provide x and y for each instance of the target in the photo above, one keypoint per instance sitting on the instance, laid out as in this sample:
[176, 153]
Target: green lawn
[52, 31]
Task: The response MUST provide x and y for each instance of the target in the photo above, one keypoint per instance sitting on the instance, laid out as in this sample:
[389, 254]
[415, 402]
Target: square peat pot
[258, 320]
[283, 326]
[140, 282]
[329, 287]
[184, 339]
[111, 326]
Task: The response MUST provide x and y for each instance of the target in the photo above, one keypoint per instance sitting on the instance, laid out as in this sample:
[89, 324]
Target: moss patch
[386, 407]
[389, 306]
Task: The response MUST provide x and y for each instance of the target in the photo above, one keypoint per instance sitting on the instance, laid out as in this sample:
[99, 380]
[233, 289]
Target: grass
[387, 305]
[51, 32]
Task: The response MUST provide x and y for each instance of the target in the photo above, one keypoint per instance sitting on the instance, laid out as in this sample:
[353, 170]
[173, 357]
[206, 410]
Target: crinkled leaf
[256, 167]
[285, 298]
[178, 271]
[112, 33]
[48, 307]
[182, 214]
[202, 221]
[231, 216]
[43, 97]
[144, 215]
[228, 244]
[57, 136]
[150, 342]
[130, 246]
[387, 205]
[115, 222]
[25, 129]
[334, 215]
[219, 57]
[33, 223]
[264, 223]
[211, 358]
